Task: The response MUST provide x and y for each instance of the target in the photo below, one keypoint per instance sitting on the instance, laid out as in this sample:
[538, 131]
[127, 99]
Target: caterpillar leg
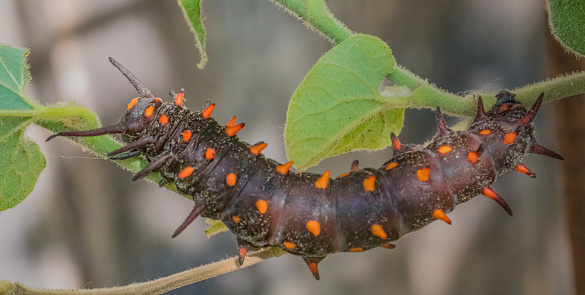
[312, 263]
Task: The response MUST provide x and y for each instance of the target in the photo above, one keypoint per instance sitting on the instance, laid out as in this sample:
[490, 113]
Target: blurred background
[87, 225]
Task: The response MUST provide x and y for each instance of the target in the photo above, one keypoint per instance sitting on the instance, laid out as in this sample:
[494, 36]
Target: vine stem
[314, 14]
[158, 286]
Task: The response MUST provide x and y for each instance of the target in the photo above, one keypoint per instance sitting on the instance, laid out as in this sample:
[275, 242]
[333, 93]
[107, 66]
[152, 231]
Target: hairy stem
[158, 286]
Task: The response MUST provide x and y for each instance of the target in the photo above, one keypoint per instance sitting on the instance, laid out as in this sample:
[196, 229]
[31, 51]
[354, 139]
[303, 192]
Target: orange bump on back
[186, 135]
[440, 214]
[356, 250]
[283, 169]
[163, 119]
[231, 131]
[323, 182]
[509, 138]
[314, 227]
[289, 245]
[391, 165]
[423, 174]
[158, 99]
[207, 111]
[473, 157]
[257, 149]
[262, 206]
[343, 175]
[231, 179]
[370, 183]
[377, 230]
[236, 219]
[179, 98]
[485, 132]
[445, 149]
[132, 103]
[149, 111]
[231, 123]
[186, 172]
[209, 154]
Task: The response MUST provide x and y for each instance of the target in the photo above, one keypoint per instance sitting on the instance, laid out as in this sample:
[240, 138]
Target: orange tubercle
[509, 138]
[314, 227]
[179, 98]
[257, 149]
[262, 206]
[377, 230]
[370, 183]
[440, 214]
[356, 250]
[283, 169]
[163, 119]
[423, 174]
[231, 179]
[149, 111]
[289, 245]
[391, 165]
[473, 157]
[186, 135]
[444, 149]
[388, 246]
[343, 175]
[396, 145]
[209, 154]
[231, 131]
[485, 132]
[236, 219]
[208, 110]
[231, 123]
[323, 182]
[186, 172]
[490, 193]
[132, 103]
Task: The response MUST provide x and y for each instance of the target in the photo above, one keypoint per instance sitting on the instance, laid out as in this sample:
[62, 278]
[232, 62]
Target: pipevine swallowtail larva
[264, 203]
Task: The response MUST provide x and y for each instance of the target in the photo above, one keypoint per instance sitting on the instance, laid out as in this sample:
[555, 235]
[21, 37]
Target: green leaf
[567, 23]
[192, 12]
[21, 161]
[337, 108]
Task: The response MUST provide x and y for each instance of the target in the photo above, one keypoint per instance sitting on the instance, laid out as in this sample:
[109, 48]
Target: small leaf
[192, 12]
[567, 20]
[214, 227]
[21, 161]
[337, 108]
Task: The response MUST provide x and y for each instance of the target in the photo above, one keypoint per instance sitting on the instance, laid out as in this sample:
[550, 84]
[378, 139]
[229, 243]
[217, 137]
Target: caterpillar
[264, 203]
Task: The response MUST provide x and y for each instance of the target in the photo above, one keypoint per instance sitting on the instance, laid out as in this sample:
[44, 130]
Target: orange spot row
[370, 183]
[132, 103]
[186, 172]
[207, 111]
[262, 206]
[231, 179]
[257, 149]
[444, 149]
[149, 111]
[283, 169]
[423, 174]
[440, 214]
[323, 182]
[509, 138]
[314, 227]
[391, 165]
[377, 230]
[209, 154]
[186, 135]
[473, 157]
[289, 245]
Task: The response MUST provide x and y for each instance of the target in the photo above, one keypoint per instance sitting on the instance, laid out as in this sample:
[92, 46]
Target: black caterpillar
[310, 215]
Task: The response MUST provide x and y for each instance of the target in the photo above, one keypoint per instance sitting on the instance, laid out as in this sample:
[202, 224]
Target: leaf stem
[158, 286]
